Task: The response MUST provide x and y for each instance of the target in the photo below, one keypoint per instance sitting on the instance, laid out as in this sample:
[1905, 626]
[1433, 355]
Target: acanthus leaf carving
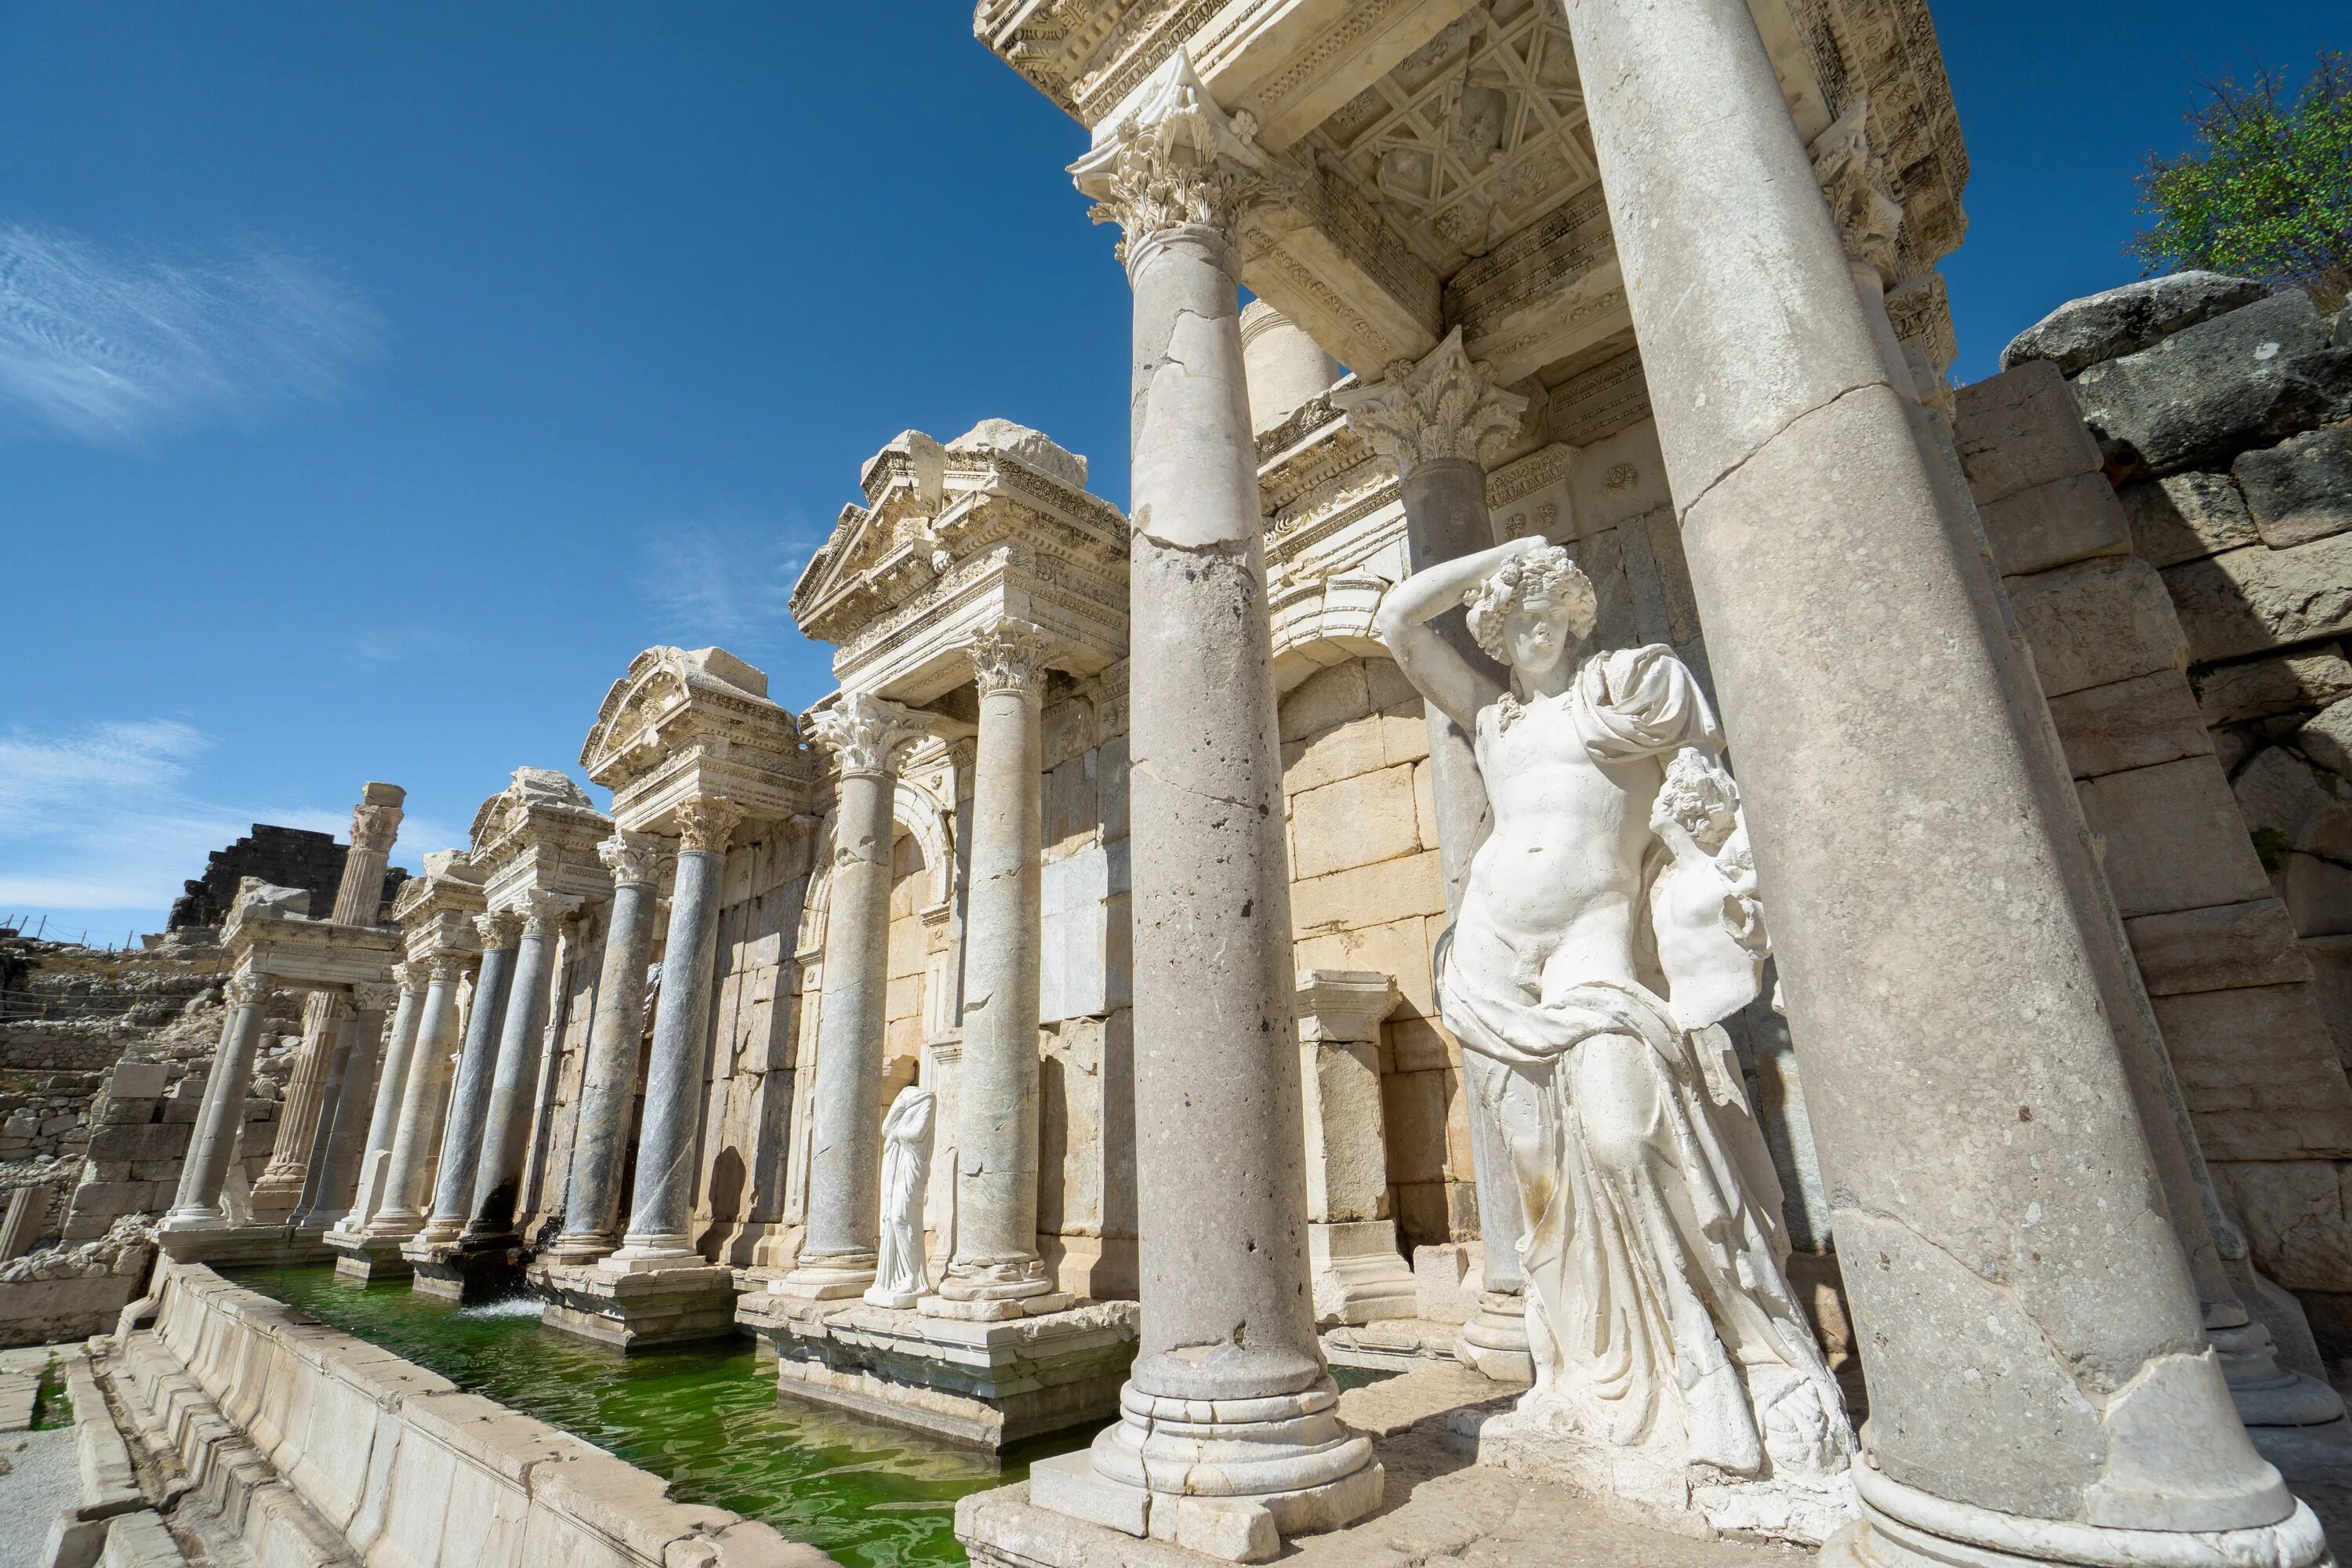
[1446, 407]
[861, 731]
[1177, 160]
[706, 822]
[1010, 655]
[1854, 180]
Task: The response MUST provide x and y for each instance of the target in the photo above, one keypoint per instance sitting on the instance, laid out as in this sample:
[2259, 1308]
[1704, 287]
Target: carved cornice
[499, 929]
[703, 710]
[706, 822]
[1446, 407]
[633, 858]
[1853, 179]
[1010, 655]
[1175, 161]
[861, 731]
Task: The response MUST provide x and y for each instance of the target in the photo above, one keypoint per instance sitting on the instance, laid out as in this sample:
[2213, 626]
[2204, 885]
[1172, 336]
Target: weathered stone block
[1341, 751]
[2134, 723]
[2185, 517]
[2300, 489]
[2206, 394]
[2216, 949]
[2246, 601]
[1447, 1279]
[158, 1141]
[2296, 1219]
[2049, 525]
[1356, 821]
[2097, 622]
[2259, 1071]
[1325, 699]
[2174, 839]
[2019, 429]
[2257, 688]
[1413, 1106]
[1391, 889]
[137, 1080]
[1418, 1044]
[2331, 969]
[2082, 333]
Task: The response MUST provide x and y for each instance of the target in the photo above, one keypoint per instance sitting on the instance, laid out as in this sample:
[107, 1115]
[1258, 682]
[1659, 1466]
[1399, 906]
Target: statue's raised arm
[1440, 673]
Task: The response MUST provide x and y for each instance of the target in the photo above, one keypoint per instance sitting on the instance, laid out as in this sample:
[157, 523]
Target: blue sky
[376, 381]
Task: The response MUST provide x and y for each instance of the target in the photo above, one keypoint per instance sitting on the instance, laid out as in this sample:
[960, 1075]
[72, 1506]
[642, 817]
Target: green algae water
[704, 1417]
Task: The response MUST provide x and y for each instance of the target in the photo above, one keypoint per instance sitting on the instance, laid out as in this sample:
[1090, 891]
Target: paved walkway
[41, 1479]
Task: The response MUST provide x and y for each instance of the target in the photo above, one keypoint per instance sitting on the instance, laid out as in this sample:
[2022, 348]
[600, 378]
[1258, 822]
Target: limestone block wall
[2216, 947]
[287, 1442]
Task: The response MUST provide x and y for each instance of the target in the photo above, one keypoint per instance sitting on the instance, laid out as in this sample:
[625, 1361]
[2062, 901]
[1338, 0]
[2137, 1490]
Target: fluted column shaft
[279, 1189]
[996, 1256]
[498, 1177]
[609, 1081]
[405, 1177]
[391, 1086]
[660, 1204]
[197, 1203]
[845, 1161]
[469, 1098]
[2007, 1252]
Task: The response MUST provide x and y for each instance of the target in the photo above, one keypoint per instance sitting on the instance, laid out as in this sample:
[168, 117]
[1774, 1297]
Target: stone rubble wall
[2165, 474]
[286, 1442]
[281, 857]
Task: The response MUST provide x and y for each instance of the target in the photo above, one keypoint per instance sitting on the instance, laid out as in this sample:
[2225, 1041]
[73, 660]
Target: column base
[1494, 1339]
[827, 1279]
[225, 1245]
[1902, 1527]
[1358, 1275]
[1391, 1344]
[578, 1249]
[363, 1259]
[396, 1227]
[278, 1192]
[1689, 1500]
[986, 1383]
[637, 1308]
[985, 1308]
[455, 1273]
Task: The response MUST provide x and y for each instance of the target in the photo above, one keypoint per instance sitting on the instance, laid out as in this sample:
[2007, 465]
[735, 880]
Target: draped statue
[1610, 922]
[900, 1275]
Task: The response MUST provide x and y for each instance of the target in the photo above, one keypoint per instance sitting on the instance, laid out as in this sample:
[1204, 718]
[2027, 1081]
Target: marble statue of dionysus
[1608, 923]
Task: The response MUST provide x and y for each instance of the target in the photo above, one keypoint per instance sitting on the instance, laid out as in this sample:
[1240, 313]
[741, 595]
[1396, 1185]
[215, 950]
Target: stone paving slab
[42, 1480]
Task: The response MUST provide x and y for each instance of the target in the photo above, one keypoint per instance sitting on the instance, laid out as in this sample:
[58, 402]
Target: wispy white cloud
[110, 347]
[397, 645]
[104, 818]
[725, 581]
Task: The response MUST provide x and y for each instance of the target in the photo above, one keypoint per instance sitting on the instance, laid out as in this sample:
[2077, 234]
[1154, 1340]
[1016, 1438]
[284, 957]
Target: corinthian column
[844, 1161]
[1229, 1434]
[197, 1205]
[2039, 1387]
[390, 1084]
[658, 1209]
[609, 1083]
[506, 1121]
[403, 1209]
[375, 825]
[996, 1263]
[1441, 421]
[469, 1105]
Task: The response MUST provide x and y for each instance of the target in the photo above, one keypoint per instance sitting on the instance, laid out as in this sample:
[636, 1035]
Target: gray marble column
[406, 1176]
[1440, 421]
[845, 1161]
[1229, 1400]
[995, 1258]
[609, 1082]
[1991, 1187]
[661, 1202]
[391, 1085]
[197, 1204]
[469, 1097]
[506, 1124]
[350, 1098]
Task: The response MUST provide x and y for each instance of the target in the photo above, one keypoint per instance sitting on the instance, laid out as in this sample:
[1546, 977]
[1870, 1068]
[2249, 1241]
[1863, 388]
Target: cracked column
[469, 1100]
[391, 1085]
[402, 1210]
[609, 1084]
[995, 1267]
[659, 1207]
[359, 896]
[1229, 1436]
[845, 1163]
[351, 1096]
[197, 1205]
[507, 1122]
[1440, 422]
[2041, 1390]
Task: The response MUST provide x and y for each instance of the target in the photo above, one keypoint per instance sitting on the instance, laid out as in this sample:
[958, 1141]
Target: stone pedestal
[226, 1245]
[1355, 1270]
[990, 1383]
[463, 1270]
[1494, 1339]
[362, 1259]
[637, 1308]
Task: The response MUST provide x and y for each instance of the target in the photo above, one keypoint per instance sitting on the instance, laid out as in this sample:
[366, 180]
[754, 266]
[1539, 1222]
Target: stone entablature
[293, 950]
[954, 538]
[435, 910]
[540, 834]
[685, 725]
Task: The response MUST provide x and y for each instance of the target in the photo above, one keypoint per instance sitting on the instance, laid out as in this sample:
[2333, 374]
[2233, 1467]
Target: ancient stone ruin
[1770, 937]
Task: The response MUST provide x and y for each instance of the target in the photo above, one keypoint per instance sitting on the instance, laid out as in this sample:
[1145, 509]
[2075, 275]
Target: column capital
[542, 911]
[246, 988]
[633, 858]
[373, 827]
[1446, 407]
[1175, 161]
[1010, 655]
[372, 997]
[499, 928]
[447, 968]
[861, 731]
[1854, 180]
[706, 822]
